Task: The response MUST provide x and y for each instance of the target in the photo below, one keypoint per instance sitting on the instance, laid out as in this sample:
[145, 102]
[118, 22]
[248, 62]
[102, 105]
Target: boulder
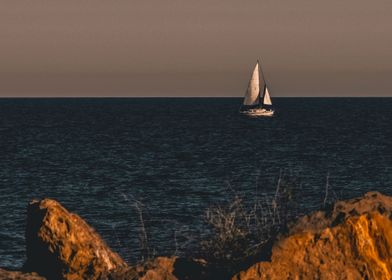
[17, 275]
[351, 241]
[61, 245]
[160, 268]
[341, 210]
[166, 268]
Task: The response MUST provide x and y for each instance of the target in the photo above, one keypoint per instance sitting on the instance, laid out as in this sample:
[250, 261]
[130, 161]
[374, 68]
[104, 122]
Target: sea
[125, 163]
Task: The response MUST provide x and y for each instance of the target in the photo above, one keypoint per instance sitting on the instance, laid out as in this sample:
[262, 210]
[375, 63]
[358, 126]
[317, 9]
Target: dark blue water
[177, 156]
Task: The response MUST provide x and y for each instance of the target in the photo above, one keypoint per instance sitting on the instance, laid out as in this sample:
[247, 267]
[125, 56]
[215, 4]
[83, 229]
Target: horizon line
[173, 97]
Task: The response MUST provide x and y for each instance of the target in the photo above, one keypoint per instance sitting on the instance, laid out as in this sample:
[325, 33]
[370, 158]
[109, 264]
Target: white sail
[252, 93]
[267, 98]
[253, 96]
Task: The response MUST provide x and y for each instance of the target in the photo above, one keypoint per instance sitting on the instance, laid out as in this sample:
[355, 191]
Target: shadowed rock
[166, 268]
[351, 241]
[61, 245]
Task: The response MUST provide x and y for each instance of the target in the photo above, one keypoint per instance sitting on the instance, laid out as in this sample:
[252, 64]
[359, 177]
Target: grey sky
[194, 48]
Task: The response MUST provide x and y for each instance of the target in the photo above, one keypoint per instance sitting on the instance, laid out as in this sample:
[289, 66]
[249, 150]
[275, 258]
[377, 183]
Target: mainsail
[253, 91]
[267, 98]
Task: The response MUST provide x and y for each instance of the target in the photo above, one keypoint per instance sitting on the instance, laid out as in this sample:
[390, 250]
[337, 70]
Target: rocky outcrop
[341, 210]
[166, 268]
[17, 275]
[160, 268]
[351, 241]
[61, 245]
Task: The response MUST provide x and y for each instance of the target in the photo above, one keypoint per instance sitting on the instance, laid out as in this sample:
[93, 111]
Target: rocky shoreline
[351, 240]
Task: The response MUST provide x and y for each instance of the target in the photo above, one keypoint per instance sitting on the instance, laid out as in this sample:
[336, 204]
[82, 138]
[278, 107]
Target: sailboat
[257, 101]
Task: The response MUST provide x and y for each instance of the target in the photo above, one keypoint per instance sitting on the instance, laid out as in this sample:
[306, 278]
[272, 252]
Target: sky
[187, 48]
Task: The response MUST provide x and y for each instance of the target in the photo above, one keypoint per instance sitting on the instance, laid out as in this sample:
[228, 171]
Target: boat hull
[258, 113]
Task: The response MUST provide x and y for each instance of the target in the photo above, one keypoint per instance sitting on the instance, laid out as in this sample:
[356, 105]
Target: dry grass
[242, 230]
[146, 251]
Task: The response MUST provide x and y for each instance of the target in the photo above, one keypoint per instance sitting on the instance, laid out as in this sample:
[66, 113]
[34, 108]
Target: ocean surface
[178, 157]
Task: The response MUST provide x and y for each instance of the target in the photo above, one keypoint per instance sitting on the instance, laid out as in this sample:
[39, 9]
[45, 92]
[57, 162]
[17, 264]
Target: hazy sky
[195, 48]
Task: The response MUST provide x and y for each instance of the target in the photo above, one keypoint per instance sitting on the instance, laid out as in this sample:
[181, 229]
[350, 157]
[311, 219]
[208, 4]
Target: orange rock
[354, 241]
[341, 210]
[61, 245]
[351, 241]
[168, 268]
[160, 268]
[17, 275]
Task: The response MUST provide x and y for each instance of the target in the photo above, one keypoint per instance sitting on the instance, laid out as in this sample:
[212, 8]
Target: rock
[160, 268]
[61, 245]
[17, 275]
[352, 241]
[341, 210]
[166, 268]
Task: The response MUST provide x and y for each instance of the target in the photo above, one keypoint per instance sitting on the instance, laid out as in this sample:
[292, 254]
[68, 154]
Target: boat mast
[261, 95]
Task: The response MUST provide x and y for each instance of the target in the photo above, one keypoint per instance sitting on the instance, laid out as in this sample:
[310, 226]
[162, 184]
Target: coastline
[339, 241]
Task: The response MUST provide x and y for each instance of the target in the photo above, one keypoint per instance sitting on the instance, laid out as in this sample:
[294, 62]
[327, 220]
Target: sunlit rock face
[61, 245]
[17, 275]
[351, 241]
